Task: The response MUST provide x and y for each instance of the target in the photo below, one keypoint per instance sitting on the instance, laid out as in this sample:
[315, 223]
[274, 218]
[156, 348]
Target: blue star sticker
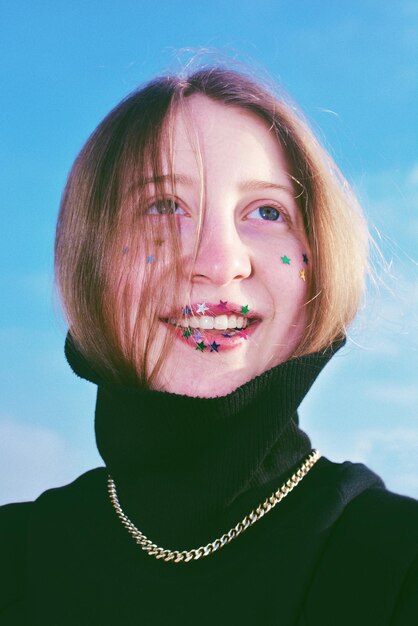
[214, 346]
[151, 258]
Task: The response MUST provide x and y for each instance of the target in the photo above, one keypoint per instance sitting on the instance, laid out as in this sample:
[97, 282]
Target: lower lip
[223, 343]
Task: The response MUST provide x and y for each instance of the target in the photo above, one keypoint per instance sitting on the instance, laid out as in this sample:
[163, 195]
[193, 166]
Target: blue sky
[353, 69]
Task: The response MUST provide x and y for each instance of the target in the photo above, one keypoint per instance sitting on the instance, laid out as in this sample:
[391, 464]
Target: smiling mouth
[218, 324]
[223, 329]
[205, 335]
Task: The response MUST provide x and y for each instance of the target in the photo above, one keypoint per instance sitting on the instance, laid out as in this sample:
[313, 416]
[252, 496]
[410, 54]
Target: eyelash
[160, 206]
[281, 215]
[164, 204]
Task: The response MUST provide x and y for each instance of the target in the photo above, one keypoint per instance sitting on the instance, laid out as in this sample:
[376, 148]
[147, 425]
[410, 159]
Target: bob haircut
[110, 293]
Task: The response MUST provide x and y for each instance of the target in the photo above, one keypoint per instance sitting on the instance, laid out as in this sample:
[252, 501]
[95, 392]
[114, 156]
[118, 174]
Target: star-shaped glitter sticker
[197, 335]
[245, 309]
[302, 275]
[222, 304]
[159, 242]
[151, 258]
[201, 308]
[305, 259]
[243, 334]
[187, 332]
[285, 259]
[214, 346]
[226, 335]
[200, 346]
[186, 310]
[125, 250]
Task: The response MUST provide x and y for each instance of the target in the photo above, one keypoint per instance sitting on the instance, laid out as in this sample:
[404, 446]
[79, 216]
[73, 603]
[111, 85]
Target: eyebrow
[254, 185]
[180, 179]
[247, 185]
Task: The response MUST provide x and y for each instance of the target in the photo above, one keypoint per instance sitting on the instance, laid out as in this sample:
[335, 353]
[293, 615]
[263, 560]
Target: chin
[208, 385]
[216, 375]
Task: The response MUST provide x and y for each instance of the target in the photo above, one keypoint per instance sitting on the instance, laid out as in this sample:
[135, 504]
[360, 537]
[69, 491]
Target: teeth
[221, 322]
[208, 322]
[232, 321]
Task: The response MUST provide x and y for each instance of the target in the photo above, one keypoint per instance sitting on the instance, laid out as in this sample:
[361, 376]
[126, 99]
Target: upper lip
[213, 309]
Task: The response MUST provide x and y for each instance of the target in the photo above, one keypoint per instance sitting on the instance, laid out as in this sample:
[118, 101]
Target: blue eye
[165, 207]
[267, 213]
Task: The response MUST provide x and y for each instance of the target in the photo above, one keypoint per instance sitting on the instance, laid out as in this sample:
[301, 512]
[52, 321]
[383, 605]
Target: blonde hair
[102, 237]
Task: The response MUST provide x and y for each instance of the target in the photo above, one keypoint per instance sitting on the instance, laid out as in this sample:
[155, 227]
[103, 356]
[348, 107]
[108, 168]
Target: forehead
[221, 140]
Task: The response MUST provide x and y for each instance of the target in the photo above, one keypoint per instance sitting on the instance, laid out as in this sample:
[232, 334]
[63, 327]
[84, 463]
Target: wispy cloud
[391, 453]
[389, 321]
[402, 395]
[412, 176]
[399, 440]
[390, 197]
[33, 459]
[387, 326]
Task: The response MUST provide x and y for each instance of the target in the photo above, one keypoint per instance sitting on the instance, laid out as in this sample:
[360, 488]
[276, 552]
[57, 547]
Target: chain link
[185, 556]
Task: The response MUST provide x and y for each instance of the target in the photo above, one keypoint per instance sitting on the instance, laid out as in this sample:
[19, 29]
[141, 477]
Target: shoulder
[15, 517]
[75, 494]
[17, 524]
[364, 499]
[369, 564]
[382, 511]
[14, 520]
[375, 525]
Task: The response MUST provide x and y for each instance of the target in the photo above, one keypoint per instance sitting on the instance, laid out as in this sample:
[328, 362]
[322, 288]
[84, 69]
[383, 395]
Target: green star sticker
[200, 346]
[244, 310]
[187, 332]
[285, 260]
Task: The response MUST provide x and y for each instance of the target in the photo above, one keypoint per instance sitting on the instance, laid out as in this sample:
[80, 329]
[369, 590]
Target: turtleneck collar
[187, 468]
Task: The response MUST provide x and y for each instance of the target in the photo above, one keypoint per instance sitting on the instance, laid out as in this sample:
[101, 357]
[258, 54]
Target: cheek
[287, 270]
[290, 291]
[187, 234]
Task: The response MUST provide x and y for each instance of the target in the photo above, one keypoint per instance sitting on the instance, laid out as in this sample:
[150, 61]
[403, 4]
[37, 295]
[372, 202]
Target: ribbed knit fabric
[339, 549]
[186, 469]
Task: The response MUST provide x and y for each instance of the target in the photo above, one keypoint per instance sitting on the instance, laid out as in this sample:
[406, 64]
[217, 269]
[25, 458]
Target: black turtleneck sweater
[339, 549]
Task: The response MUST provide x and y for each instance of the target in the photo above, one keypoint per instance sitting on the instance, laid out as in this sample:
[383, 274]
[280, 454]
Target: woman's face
[246, 312]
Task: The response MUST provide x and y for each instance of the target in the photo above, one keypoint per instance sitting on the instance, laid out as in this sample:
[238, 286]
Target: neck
[187, 468]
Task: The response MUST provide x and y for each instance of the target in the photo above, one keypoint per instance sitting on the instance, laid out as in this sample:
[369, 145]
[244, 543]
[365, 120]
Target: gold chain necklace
[192, 555]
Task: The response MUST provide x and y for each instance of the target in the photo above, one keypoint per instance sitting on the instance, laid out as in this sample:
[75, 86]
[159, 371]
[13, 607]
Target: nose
[222, 256]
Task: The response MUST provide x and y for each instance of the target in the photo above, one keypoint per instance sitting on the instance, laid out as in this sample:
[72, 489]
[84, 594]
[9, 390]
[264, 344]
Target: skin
[239, 259]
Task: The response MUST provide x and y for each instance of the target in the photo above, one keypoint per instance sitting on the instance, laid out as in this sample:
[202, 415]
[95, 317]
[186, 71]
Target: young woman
[210, 258]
